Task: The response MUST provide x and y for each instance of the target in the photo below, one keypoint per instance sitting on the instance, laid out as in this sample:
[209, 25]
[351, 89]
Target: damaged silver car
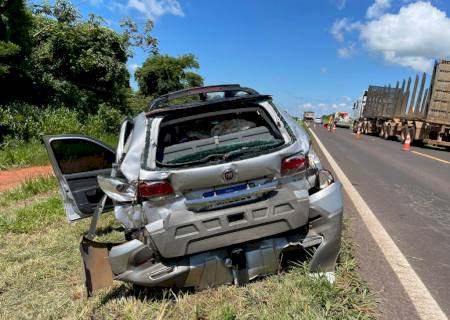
[213, 185]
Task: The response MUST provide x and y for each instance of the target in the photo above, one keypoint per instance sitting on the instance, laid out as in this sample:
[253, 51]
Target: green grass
[33, 153]
[28, 189]
[42, 278]
[32, 217]
[22, 155]
[305, 127]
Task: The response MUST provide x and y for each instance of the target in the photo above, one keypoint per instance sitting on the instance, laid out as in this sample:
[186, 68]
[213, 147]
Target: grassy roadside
[42, 278]
[33, 153]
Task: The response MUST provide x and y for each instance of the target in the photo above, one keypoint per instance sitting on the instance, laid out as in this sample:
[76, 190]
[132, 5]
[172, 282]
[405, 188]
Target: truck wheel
[386, 130]
[381, 133]
[412, 134]
[403, 134]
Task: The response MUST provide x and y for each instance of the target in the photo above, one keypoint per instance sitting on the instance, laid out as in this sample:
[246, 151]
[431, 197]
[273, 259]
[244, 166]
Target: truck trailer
[308, 116]
[423, 113]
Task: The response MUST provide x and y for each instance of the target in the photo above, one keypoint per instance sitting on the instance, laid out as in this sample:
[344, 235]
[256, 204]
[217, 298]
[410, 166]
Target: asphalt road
[409, 192]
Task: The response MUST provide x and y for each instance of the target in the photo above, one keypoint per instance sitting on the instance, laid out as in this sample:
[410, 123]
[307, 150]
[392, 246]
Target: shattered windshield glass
[216, 136]
[226, 152]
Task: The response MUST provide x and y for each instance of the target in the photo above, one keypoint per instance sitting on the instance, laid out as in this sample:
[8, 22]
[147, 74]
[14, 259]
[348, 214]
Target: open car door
[77, 160]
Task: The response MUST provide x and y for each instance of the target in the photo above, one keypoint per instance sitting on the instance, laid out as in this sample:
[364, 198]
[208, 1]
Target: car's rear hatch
[221, 200]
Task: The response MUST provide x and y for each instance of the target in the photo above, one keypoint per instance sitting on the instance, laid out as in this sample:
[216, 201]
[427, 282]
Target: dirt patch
[12, 178]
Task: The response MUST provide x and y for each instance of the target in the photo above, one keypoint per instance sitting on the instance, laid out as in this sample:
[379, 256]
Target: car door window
[75, 156]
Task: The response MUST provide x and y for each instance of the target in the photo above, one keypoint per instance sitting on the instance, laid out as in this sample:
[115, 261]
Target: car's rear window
[214, 136]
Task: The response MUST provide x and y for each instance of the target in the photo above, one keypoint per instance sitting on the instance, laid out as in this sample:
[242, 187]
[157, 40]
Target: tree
[161, 74]
[15, 24]
[81, 64]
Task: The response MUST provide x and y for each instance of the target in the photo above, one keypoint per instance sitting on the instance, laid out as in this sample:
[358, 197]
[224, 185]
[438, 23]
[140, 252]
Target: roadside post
[358, 133]
[407, 143]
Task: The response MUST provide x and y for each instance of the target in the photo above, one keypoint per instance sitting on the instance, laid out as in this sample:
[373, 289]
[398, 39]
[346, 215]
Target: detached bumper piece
[135, 262]
[97, 269]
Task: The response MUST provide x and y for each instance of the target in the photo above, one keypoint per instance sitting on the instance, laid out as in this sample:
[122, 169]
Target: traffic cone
[358, 134]
[407, 144]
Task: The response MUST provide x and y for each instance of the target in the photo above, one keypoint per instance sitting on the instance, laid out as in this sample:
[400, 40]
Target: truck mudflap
[97, 269]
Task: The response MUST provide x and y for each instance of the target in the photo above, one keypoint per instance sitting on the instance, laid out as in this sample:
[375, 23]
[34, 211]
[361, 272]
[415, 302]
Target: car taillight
[155, 189]
[293, 164]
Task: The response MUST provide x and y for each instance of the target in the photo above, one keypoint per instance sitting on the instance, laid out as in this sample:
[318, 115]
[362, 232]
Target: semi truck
[308, 116]
[397, 111]
[342, 119]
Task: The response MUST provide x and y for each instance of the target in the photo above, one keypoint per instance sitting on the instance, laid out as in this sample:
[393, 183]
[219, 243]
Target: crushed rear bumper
[240, 263]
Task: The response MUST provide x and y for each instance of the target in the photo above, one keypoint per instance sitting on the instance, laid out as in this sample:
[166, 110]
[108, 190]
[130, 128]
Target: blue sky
[309, 54]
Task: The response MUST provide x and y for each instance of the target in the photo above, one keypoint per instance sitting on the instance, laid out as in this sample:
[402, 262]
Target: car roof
[231, 92]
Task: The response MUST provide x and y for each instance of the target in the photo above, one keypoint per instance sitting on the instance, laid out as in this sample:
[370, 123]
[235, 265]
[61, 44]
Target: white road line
[426, 306]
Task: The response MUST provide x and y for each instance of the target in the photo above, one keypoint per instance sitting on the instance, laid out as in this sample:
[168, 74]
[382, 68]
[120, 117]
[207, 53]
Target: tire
[412, 134]
[381, 133]
[386, 130]
[403, 134]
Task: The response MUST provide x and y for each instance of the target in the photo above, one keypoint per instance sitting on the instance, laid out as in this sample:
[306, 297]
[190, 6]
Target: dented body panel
[202, 216]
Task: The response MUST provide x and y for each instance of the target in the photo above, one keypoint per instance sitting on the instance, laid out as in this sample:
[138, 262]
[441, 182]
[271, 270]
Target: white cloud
[95, 2]
[413, 37]
[342, 26]
[347, 99]
[346, 52]
[133, 66]
[378, 8]
[323, 70]
[156, 8]
[324, 108]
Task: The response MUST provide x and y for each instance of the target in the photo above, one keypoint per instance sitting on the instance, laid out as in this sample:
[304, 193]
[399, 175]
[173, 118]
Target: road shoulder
[394, 303]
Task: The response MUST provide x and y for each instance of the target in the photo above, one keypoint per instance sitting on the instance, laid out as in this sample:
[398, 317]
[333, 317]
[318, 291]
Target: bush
[19, 121]
[16, 153]
[106, 121]
[57, 121]
[22, 127]
[23, 122]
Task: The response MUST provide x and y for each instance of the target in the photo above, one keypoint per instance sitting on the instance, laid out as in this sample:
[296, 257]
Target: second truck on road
[424, 114]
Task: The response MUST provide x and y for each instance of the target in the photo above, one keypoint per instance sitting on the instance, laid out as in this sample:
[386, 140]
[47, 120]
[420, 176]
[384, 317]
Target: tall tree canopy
[15, 45]
[161, 74]
[79, 64]
[67, 61]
